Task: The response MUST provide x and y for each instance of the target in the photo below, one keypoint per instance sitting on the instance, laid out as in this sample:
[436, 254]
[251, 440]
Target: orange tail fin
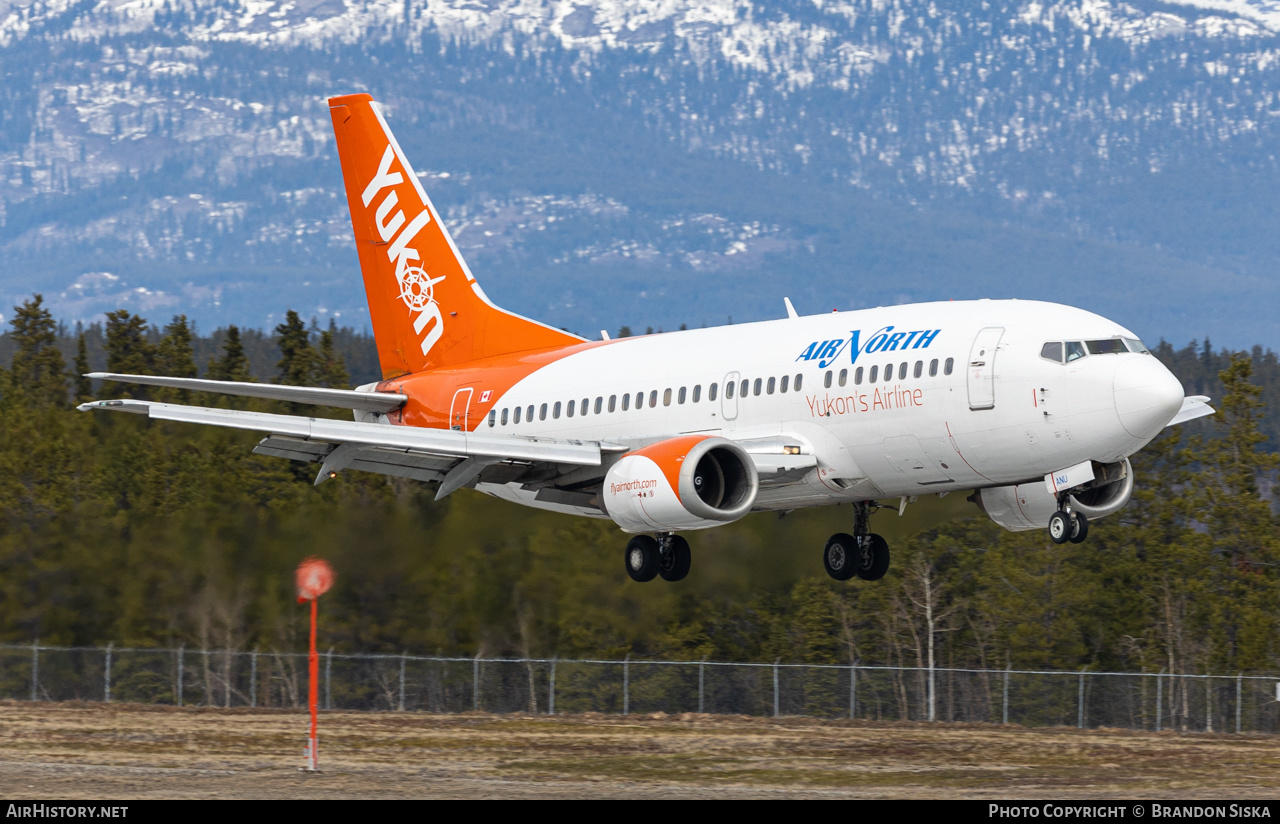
[425, 305]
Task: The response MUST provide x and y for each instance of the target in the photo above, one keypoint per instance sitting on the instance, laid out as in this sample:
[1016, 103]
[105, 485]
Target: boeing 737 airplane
[1036, 406]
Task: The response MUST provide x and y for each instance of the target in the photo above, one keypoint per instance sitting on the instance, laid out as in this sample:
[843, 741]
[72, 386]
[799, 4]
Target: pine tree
[39, 372]
[174, 354]
[232, 365]
[128, 350]
[83, 386]
[331, 371]
[299, 360]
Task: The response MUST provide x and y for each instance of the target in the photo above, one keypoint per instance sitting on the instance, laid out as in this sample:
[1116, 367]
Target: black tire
[1059, 527]
[1079, 528]
[839, 557]
[641, 558]
[674, 564]
[873, 558]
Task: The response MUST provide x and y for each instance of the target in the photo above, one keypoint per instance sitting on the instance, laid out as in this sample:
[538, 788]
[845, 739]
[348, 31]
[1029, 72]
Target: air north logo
[417, 288]
[883, 340]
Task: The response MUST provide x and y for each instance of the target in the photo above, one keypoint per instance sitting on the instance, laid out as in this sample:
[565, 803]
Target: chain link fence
[414, 683]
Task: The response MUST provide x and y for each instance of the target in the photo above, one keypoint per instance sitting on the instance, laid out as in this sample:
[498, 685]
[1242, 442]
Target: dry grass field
[99, 752]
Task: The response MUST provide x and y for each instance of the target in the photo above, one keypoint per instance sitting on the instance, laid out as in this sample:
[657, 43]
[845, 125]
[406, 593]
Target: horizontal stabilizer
[379, 402]
[1196, 406]
[451, 442]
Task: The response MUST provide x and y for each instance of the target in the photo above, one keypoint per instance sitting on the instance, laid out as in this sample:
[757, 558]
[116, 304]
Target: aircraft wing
[1195, 406]
[452, 457]
[379, 402]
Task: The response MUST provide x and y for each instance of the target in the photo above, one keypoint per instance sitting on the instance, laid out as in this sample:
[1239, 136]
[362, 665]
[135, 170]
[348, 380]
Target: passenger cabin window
[773, 383]
[680, 395]
[888, 372]
[948, 366]
[517, 419]
[785, 380]
[757, 386]
[799, 382]
[504, 415]
[666, 397]
[613, 402]
[542, 413]
[857, 376]
[697, 393]
[528, 414]
[493, 416]
[902, 371]
[742, 388]
[872, 377]
[555, 412]
[844, 376]
[626, 402]
[826, 381]
[711, 392]
[600, 403]
[729, 387]
[919, 368]
[569, 411]
[1052, 351]
[639, 400]
[586, 406]
[653, 398]
[1075, 350]
[933, 368]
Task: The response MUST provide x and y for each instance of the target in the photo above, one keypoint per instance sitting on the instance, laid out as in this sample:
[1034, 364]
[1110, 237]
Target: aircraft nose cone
[1147, 395]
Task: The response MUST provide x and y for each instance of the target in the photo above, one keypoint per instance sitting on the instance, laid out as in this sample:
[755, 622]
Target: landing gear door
[982, 365]
[460, 408]
[729, 397]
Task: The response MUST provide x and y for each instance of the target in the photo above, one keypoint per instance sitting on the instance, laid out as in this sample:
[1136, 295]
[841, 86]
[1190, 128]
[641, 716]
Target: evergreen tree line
[117, 528]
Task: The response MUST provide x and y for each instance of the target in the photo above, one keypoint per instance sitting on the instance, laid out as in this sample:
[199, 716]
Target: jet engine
[1028, 506]
[690, 482]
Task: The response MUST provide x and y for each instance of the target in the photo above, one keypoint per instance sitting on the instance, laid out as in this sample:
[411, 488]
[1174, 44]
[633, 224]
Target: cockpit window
[1110, 346]
[1052, 351]
[1136, 345]
[1075, 350]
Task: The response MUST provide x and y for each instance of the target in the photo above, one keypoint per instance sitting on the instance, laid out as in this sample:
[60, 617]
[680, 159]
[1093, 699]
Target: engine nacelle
[1028, 506]
[690, 482]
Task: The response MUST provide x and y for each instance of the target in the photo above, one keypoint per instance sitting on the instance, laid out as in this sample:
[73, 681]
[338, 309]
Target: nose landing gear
[863, 553]
[667, 555]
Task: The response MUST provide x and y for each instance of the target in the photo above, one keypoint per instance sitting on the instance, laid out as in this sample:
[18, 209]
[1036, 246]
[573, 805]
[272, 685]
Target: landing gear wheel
[840, 556]
[873, 558]
[642, 558]
[1059, 527]
[674, 562]
[1079, 528]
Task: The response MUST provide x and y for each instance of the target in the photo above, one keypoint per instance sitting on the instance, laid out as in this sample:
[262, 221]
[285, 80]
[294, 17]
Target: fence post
[181, 648]
[1004, 717]
[702, 684]
[106, 676]
[775, 686]
[475, 684]
[1239, 679]
[35, 669]
[402, 660]
[626, 685]
[328, 684]
[853, 690]
[1159, 698]
[551, 696]
[253, 678]
[1080, 703]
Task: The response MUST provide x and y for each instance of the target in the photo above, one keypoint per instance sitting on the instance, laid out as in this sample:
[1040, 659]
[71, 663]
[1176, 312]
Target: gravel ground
[117, 751]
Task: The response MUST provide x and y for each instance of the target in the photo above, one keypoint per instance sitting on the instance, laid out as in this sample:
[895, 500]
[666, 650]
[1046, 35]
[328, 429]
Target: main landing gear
[1067, 524]
[862, 554]
[667, 555]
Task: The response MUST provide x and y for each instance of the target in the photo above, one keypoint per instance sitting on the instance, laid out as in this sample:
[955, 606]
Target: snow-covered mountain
[648, 161]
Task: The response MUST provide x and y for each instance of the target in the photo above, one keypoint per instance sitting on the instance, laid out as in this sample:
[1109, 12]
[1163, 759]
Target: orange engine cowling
[690, 482]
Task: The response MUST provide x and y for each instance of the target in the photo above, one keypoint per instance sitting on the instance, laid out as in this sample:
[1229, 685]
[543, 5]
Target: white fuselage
[1001, 414]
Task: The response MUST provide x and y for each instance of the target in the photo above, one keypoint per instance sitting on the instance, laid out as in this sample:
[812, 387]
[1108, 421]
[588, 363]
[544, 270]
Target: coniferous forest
[116, 528]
